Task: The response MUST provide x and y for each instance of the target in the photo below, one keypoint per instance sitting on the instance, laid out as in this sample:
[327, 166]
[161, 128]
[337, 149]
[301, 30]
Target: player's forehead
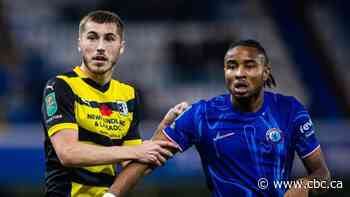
[100, 28]
[241, 53]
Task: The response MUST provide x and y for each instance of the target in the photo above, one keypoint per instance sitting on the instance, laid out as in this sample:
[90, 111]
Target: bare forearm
[320, 175]
[134, 171]
[169, 118]
[317, 169]
[72, 152]
[317, 175]
[164, 123]
[82, 154]
[128, 178]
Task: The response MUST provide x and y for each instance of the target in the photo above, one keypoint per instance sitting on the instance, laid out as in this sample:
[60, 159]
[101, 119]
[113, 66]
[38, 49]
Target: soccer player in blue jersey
[245, 136]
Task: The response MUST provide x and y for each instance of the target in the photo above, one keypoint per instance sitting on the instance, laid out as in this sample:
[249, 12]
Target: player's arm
[134, 171]
[62, 130]
[73, 153]
[309, 150]
[317, 170]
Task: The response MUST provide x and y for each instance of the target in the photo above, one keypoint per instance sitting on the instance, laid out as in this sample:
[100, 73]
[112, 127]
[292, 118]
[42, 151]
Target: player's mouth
[100, 58]
[240, 87]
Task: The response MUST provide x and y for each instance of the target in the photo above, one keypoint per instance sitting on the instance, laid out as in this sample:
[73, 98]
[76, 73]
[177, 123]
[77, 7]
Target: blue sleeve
[184, 130]
[304, 131]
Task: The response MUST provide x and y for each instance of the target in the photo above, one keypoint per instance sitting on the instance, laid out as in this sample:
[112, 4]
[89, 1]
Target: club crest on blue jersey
[274, 135]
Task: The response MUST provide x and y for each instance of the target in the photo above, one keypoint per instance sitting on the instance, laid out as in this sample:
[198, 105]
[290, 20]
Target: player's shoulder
[68, 74]
[60, 78]
[59, 82]
[282, 100]
[56, 82]
[58, 87]
[217, 103]
[123, 86]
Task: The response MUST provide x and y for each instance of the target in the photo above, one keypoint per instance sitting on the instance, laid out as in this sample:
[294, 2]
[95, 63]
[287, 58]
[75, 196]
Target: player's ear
[122, 48]
[267, 71]
[79, 49]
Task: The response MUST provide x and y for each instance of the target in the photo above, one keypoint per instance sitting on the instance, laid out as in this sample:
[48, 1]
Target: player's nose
[240, 72]
[101, 46]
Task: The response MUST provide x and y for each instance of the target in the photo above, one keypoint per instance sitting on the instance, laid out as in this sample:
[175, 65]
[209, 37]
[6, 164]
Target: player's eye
[110, 38]
[250, 64]
[231, 65]
[91, 37]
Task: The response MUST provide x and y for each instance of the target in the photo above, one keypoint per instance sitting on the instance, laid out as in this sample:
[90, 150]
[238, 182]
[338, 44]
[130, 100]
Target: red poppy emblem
[105, 110]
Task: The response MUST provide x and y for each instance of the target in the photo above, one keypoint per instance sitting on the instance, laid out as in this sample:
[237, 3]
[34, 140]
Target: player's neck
[251, 104]
[100, 79]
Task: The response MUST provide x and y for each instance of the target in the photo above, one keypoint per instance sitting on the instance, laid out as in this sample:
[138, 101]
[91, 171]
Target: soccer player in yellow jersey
[90, 120]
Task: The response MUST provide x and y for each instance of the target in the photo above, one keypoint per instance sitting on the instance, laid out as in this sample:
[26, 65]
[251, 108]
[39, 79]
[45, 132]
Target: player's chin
[100, 68]
[240, 95]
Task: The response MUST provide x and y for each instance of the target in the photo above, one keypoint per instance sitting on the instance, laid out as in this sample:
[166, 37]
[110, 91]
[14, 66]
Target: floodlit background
[174, 52]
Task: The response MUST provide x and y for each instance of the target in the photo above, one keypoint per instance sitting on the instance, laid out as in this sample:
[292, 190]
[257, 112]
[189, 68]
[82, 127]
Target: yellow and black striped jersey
[102, 115]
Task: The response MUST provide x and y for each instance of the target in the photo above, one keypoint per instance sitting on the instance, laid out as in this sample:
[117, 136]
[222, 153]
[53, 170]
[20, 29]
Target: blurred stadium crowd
[175, 52]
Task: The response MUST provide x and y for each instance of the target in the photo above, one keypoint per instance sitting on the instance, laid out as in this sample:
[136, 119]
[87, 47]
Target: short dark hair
[102, 16]
[270, 82]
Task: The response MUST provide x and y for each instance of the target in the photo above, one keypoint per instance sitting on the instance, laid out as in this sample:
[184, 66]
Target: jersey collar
[91, 82]
[248, 114]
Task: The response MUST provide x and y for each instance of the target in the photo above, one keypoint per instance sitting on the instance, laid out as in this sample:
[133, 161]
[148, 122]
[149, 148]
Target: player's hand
[297, 191]
[154, 152]
[174, 112]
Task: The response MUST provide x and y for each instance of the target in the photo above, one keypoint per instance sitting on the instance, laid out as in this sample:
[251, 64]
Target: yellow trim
[132, 142]
[80, 73]
[117, 91]
[107, 169]
[54, 129]
[87, 191]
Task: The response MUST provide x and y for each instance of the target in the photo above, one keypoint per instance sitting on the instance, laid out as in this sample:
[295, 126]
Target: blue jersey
[238, 149]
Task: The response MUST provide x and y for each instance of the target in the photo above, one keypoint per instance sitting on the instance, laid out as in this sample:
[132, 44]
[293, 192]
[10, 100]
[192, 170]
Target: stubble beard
[101, 70]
